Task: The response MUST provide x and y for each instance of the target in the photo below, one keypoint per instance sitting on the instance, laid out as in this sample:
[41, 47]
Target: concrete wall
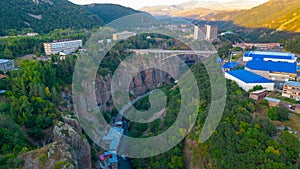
[248, 86]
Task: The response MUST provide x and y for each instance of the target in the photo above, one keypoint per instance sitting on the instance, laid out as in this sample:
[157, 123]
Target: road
[125, 163]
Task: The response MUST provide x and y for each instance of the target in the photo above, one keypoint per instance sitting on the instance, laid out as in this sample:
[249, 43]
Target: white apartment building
[64, 46]
[206, 32]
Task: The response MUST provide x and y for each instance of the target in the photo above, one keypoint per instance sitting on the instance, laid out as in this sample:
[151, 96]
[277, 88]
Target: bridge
[186, 55]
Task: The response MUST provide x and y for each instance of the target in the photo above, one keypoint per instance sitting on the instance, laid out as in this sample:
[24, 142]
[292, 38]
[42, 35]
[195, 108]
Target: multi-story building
[275, 71]
[123, 35]
[270, 56]
[291, 89]
[206, 32]
[6, 65]
[64, 46]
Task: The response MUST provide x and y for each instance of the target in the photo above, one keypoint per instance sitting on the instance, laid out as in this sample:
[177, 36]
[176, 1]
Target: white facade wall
[66, 46]
[248, 86]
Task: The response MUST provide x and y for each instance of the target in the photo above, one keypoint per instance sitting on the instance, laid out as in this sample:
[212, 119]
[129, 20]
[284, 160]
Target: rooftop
[272, 99]
[267, 54]
[230, 65]
[293, 83]
[259, 91]
[4, 60]
[248, 77]
[2, 76]
[272, 66]
[114, 135]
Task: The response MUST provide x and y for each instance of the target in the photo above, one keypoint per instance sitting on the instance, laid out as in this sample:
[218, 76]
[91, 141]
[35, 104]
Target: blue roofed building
[229, 66]
[247, 80]
[270, 56]
[276, 71]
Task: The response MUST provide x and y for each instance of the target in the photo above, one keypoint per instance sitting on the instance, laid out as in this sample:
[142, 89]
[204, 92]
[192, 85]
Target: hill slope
[44, 15]
[109, 12]
[276, 14]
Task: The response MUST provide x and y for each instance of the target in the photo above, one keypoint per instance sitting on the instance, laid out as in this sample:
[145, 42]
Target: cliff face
[145, 81]
[70, 132]
[54, 155]
[70, 148]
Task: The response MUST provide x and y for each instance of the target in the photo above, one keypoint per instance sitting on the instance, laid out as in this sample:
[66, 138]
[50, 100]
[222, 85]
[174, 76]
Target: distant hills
[109, 12]
[199, 8]
[43, 16]
[274, 14]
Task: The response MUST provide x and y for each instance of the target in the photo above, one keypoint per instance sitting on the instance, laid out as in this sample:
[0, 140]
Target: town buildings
[247, 80]
[6, 65]
[291, 89]
[262, 46]
[123, 35]
[206, 32]
[63, 46]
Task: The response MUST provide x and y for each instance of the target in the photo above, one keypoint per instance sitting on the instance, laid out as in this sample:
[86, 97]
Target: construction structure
[259, 94]
[276, 71]
[291, 89]
[66, 47]
[270, 56]
[262, 46]
[123, 35]
[247, 80]
[206, 32]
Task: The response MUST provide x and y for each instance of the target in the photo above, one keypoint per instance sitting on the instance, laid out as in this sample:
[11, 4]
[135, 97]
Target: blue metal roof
[272, 66]
[249, 77]
[272, 99]
[230, 65]
[293, 83]
[272, 55]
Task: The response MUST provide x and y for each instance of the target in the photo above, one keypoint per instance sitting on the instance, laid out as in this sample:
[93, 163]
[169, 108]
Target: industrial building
[6, 65]
[66, 47]
[123, 35]
[247, 80]
[206, 32]
[270, 56]
[291, 89]
[276, 71]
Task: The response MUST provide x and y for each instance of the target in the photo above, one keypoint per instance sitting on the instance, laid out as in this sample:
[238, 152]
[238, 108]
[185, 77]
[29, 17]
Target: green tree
[272, 113]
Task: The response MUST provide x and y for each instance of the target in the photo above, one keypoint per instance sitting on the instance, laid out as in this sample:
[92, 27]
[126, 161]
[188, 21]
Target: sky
[137, 4]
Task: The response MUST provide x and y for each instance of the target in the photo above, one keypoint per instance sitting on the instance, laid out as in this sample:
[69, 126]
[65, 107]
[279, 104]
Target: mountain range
[274, 14]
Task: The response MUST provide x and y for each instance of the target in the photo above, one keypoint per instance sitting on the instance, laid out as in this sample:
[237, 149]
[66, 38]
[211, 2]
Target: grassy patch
[293, 123]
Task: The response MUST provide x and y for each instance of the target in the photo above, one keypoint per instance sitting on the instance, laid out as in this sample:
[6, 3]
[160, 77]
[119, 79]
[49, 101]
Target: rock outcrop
[54, 155]
[70, 131]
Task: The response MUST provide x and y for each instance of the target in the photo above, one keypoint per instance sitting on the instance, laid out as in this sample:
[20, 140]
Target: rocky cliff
[145, 81]
[70, 148]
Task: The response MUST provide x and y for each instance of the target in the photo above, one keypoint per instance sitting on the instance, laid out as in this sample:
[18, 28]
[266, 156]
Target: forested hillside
[109, 12]
[43, 16]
